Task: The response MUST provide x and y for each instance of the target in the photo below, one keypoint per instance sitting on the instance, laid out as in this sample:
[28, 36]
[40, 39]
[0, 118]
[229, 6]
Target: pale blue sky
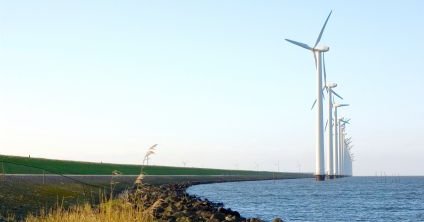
[212, 82]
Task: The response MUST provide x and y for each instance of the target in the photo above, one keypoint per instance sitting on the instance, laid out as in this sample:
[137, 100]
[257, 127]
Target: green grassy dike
[21, 195]
[26, 165]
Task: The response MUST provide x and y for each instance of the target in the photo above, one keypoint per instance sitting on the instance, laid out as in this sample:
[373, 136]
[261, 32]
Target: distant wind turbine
[342, 143]
[317, 51]
[330, 155]
[336, 152]
[349, 160]
[348, 157]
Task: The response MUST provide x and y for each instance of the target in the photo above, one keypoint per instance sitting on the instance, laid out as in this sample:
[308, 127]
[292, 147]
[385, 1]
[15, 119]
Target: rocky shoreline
[171, 203]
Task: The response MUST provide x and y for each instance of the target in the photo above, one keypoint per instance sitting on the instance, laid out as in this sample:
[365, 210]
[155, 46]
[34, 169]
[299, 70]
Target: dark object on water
[320, 177]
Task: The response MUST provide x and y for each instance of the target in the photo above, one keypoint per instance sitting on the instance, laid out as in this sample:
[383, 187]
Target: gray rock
[184, 219]
[222, 210]
[218, 216]
[277, 220]
[178, 214]
[236, 214]
[204, 214]
[230, 218]
[171, 219]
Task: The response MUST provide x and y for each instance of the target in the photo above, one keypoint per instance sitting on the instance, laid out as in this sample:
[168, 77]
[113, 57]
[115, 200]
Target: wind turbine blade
[322, 93]
[322, 30]
[326, 123]
[325, 73]
[336, 94]
[303, 45]
[315, 59]
[346, 122]
[348, 142]
[313, 104]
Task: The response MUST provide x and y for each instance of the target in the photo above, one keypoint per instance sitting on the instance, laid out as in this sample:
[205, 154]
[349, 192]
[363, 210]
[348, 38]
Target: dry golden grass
[108, 211]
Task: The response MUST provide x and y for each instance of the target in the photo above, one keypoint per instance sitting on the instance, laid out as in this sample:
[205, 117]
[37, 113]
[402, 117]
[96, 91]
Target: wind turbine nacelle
[321, 48]
[331, 85]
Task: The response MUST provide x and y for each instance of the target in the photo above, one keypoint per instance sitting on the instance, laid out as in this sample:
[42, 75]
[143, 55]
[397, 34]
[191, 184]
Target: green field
[26, 165]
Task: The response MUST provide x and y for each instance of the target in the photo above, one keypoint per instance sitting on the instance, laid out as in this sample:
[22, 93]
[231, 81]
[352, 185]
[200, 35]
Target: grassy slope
[19, 196]
[25, 165]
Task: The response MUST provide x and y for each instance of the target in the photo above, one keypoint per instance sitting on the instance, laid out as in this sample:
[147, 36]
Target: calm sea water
[346, 199]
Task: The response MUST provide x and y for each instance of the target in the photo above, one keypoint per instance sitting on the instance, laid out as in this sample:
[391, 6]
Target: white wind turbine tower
[342, 150]
[317, 50]
[336, 140]
[330, 156]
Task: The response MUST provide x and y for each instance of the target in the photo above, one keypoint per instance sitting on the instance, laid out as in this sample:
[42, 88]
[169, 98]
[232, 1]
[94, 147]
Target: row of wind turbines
[339, 150]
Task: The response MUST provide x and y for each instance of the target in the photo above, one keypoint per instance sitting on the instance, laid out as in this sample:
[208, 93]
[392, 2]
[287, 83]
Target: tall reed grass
[108, 209]
[120, 209]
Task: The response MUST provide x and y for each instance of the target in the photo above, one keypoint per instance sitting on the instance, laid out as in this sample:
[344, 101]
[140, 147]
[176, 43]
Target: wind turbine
[342, 143]
[330, 156]
[352, 158]
[347, 163]
[317, 51]
[336, 140]
[346, 149]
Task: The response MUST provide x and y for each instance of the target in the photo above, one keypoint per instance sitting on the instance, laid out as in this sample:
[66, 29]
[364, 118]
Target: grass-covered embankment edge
[26, 165]
[30, 184]
[23, 194]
